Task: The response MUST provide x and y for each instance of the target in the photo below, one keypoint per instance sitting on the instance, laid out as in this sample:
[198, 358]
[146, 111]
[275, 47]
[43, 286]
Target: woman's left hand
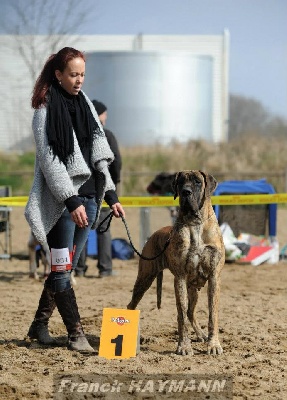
[79, 216]
[118, 210]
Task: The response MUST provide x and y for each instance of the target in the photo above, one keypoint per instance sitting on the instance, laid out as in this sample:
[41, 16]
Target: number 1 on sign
[119, 344]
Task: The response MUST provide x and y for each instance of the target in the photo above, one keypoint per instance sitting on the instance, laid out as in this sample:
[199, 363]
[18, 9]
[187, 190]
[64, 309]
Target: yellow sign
[119, 333]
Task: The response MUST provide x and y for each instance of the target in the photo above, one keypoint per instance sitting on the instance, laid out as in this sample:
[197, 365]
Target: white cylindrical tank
[153, 97]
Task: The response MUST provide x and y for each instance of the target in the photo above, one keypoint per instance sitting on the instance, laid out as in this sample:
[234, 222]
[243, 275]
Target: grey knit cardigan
[54, 182]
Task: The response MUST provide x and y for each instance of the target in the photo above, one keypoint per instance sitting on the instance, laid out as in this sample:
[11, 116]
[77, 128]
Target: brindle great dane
[195, 255]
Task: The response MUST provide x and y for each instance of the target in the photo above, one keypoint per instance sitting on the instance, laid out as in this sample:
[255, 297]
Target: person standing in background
[104, 240]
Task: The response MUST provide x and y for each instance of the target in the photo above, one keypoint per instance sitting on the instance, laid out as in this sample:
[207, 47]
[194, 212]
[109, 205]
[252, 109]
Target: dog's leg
[192, 301]
[214, 260]
[46, 260]
[145, 278]
[213, 346]
[32, 257]
[184, 342]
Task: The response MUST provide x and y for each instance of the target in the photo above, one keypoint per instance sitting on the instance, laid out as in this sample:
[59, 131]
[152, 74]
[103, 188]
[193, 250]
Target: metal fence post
[144, 225]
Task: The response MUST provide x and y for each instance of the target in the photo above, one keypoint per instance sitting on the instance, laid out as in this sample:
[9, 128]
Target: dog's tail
[159, 288]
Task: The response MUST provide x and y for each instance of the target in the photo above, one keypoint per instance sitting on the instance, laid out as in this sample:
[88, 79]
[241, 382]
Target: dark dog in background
[161, 185]
[195, 255]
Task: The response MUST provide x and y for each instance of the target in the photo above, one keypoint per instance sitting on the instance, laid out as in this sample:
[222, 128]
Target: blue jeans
[66, 234]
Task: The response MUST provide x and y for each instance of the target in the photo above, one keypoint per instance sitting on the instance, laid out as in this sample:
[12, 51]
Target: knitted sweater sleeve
[102, 170]
[54, 171]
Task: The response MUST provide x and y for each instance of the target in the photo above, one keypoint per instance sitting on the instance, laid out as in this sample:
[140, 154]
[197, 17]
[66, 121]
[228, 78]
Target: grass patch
[247, 157]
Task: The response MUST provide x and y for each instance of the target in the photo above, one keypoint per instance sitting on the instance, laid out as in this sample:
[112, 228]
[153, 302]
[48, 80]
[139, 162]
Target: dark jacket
[116, 166]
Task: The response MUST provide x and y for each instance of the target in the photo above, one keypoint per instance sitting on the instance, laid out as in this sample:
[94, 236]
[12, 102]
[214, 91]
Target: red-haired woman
[71, 180]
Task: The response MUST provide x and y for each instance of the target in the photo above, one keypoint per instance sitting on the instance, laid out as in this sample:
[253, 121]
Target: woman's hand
[118, 210]
[79, 216]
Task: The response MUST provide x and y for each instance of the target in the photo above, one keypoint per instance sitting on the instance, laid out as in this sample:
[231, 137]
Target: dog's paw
[184, 348]
[214, 348]
[73, 279]
[34, 275]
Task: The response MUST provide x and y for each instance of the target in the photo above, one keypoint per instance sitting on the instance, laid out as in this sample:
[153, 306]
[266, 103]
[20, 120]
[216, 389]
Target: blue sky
[258, 36]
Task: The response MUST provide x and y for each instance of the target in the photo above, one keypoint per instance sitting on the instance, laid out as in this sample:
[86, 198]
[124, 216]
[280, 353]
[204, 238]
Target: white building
[183, 79]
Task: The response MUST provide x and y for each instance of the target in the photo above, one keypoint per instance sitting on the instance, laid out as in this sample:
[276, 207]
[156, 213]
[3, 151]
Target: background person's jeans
[105, 260]
[67, 234]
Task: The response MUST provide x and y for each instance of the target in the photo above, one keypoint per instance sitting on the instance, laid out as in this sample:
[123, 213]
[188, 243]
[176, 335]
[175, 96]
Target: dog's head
[161, 184]
[193, 187]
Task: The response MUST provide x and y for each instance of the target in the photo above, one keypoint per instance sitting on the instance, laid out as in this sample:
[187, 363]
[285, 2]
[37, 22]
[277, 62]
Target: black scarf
[65, 112]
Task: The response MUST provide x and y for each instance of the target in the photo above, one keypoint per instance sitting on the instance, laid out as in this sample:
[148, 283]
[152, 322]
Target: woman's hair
[55, 62]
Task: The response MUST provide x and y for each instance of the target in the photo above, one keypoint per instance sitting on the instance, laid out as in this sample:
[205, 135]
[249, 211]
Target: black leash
[109, 217]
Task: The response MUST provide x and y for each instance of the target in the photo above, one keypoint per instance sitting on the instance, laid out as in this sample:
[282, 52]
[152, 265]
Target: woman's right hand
[118, 210]
[79, 216]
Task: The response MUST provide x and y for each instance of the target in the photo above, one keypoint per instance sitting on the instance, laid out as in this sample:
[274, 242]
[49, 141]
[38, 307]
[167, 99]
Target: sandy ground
[253, 327]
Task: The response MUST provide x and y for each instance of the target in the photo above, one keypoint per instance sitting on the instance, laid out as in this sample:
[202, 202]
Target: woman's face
[72, 78]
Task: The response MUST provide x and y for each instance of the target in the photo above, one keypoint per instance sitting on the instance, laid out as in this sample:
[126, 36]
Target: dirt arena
[253, 326]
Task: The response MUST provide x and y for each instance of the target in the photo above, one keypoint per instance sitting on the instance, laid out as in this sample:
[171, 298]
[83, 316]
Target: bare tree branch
[57, 20]
[27, 22]
[246, 115]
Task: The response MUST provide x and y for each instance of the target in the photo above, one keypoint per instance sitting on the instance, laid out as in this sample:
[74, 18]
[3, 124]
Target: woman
[71, 180]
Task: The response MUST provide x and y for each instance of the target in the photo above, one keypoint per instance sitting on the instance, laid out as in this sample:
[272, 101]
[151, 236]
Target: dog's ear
[210, 183]
[175, 185]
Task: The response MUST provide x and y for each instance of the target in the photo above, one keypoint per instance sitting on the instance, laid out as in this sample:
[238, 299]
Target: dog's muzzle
[186, 191]
[189, 200]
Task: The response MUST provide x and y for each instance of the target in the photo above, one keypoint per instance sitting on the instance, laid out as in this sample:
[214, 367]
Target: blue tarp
[121, 249]
[92, 244]
[249, 187]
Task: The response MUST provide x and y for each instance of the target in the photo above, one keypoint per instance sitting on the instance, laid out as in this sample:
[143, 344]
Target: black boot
[39, 327]
[68, 309]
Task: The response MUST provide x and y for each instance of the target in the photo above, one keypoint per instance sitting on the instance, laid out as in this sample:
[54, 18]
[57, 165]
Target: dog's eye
[198, 183]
